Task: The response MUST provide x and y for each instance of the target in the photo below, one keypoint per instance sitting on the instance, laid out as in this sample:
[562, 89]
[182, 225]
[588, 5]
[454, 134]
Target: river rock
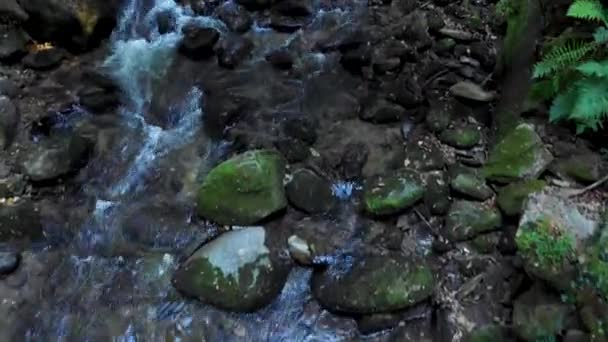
[234, 16]
[520, 155]
[9, 120]
[512, 197]
[538, 316]
[12, 44]
[9, 261]
[310, 192]
[98, 100]
[382, 111]
[585, 168]
[393, 193]
[244, 189]
[54, 157]
[439, 116]
[471, 91]
[280, 58]
[256, 4]
[233, 50]
[74, 24]
[238, 271]
[44, 59]
[471, 185]
[465, 136]
[294, 7]
[20, 221]
[286, 24]
[372, 284]
[466, 220]
[198, 42]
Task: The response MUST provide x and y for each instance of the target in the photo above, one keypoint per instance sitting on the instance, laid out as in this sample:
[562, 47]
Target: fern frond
[591, 105]
[594, 68]
[600, 35]
[562, 57]
[591, 10]
[562, 105]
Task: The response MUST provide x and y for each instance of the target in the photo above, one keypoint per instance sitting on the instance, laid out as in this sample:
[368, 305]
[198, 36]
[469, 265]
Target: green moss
[516, 12]
[461, 137]
[390, 195]
[472, 186]
[545, 245]
[468, 219]
[519, 155]
[487, 333]
[243, 189]
[512, 197]
[595, 266]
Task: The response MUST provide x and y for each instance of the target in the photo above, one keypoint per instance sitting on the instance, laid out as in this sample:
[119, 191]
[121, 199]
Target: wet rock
[9, 120]
[445, 45]
[520, 155]
[77, 25]
[8, 88]
[465, 136]
[466, 220]
[471, 91]
[415, 31]
[355, 59]
[471, 185]
[382, 111]
[486, 243]
[234, 16]
[372, 284]
[439, 116]
[244, 189]
[98, 100]
[456, 34]
[294, 150]
[424, 157]
[44, 59]
[487, 333]
[593, 312]
[294, 7]
[280, 59]
[310, 192]
[12, 186]
[10, 9]
[300, 127]
[512, 197]
[437, 194]
[12, 44]
[287, 24]
[255, 4]
[484, 53]
[393, 193]
[54, 157]
[238, 271]
[20, 221]
[9, 261]
[232, 51]
[353, 160]
[585, 168]
[538, 316]
[198, 42]
[300, 250]
[166, 21]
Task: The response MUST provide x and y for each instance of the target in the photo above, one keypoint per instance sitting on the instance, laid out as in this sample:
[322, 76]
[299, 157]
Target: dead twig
[578, 192]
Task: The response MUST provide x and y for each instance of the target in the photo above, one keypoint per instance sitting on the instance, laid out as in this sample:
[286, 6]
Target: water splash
[344, 189]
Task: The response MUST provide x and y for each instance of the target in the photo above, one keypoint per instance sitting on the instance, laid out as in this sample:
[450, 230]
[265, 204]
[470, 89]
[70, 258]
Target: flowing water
[105, 286]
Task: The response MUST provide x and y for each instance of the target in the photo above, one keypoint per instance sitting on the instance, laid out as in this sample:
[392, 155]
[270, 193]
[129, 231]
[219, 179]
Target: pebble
[471, 91]
[456, 34]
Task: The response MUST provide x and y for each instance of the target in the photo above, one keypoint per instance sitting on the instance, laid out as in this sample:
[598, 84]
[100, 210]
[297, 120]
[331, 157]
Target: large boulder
[520, 155]
[244, 189]
[238, 271]
[466, 220]
[76, 24]
[392, 194]
[372, 284]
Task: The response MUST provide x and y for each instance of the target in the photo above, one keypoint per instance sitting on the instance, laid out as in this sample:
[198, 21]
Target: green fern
[577, 83]
[591, 10]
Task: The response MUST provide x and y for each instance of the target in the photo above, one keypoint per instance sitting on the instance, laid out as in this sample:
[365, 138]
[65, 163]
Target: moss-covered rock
[437, 194]
[486, 243]
[392, 194]
[512, 197]
[487, 333]
[237, 271]
[439, 116]
[372, 284]
[461, 137]
[584, 168]
[594, 265]
[593, 312]
[520, 155]
[471, 185]
[467, 219]
[244, 189]
[539, 317]
[548, 251]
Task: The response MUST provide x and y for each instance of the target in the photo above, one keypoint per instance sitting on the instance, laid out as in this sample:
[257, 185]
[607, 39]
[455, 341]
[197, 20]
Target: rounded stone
[392, 194]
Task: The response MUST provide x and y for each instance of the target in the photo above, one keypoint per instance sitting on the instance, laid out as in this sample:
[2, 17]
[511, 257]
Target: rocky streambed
[259, 170]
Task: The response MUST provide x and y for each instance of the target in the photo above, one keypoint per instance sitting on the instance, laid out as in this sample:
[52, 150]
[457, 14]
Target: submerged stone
[466, 220]
[244, 189]
[512, 197]
[392, 194]
[237, 271]
[520, 155]
[372, 284]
